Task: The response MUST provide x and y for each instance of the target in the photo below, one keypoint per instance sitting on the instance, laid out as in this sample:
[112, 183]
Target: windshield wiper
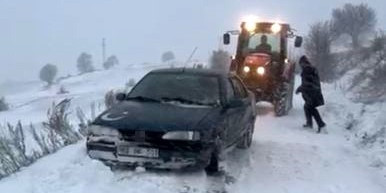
[143, 98]
[186, 101]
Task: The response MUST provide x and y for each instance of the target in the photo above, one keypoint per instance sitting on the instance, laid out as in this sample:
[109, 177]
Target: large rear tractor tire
[283, 99]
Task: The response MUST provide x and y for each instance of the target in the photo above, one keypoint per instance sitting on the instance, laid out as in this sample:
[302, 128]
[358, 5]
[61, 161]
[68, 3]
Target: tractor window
[261, 42]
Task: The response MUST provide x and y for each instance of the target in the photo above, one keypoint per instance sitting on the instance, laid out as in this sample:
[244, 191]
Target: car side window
[244, 92]
[240, 92]
[230, 90]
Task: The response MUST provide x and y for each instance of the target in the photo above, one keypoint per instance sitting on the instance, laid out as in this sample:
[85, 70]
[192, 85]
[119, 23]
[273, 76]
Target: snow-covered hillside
[284, 157]
[29, 104]
[21, 143]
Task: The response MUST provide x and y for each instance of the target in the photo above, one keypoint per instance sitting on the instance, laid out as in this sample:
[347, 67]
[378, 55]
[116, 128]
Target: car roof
[193, 71]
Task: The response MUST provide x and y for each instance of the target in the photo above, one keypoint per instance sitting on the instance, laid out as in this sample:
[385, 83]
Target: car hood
[153, 116]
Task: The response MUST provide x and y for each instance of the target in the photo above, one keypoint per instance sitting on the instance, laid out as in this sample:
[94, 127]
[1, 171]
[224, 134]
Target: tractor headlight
[250, 23]
[97, 130]
[260, 70]
[182, 135]
[275, 28]
[246, 69]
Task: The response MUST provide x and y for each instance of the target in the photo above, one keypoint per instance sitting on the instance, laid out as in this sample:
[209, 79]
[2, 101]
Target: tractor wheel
[282, 101]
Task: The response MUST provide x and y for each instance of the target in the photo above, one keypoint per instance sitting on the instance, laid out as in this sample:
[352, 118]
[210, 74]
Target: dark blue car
[174, 119]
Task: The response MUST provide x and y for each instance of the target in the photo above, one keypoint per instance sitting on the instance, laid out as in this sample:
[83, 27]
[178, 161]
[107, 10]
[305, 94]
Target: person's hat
[303, 60]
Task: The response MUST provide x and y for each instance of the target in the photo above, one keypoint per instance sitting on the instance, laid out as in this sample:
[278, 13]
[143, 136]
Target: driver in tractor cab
[264, 46]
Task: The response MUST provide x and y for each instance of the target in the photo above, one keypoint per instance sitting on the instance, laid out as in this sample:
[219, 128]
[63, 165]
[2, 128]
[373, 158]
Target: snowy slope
[30, 103]
[283, 158]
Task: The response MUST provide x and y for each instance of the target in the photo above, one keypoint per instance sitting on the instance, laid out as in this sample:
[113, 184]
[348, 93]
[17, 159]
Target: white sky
[37, 32]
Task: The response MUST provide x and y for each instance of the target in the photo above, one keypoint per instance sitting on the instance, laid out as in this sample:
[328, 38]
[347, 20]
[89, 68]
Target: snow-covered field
[284, 157]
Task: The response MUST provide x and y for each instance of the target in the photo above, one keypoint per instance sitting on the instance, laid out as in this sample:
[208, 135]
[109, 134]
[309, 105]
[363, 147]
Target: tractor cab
[262, 61]
[261, 42]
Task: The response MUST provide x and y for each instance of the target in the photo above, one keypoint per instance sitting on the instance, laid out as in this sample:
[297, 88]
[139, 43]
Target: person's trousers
[311, 112]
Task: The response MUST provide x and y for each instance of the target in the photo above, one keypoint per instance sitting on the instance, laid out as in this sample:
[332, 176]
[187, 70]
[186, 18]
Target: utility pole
[103, 51]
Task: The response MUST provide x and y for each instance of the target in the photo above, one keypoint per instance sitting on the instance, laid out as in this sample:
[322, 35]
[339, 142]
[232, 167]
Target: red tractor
[262, 61]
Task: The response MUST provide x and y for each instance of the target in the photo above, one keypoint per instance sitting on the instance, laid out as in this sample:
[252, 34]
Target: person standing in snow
[311, 93]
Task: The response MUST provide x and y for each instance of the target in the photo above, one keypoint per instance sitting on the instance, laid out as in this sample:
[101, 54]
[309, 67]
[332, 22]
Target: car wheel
[246, 140]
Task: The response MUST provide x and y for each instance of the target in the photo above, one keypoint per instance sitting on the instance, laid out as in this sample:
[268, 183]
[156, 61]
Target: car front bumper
[170, 155]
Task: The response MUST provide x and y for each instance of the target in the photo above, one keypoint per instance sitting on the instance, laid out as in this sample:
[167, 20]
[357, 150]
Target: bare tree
[318, 48]
[167, 56]
[220, 60]
[48, 73]
[84, 63]
[354, 20]
[110, 62]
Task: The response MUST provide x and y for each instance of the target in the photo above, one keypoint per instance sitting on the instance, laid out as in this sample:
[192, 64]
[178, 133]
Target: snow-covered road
[283, 158]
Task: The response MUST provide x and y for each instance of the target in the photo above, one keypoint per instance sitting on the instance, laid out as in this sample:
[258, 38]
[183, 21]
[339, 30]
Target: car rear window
[198, 88]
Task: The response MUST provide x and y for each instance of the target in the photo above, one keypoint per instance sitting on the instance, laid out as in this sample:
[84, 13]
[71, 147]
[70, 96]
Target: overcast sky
[37, 32]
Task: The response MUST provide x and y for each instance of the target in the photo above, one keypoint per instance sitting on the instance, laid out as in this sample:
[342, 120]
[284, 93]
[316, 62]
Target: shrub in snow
[167, 56]
[318, 48]
[84, 63]
[83, 121]
[3, 104]
[131, 82]
[13, 150]
[378, 45]
[109, 99]
[110, 62]
[355, 21]
[63, 90]
[48, 73]
[59, 124]
[369, 82]
[220, 60]
[53, 134]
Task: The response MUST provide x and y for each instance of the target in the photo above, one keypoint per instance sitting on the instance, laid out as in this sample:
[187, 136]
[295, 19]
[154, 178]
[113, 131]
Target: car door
[236, 115]
[245, 110]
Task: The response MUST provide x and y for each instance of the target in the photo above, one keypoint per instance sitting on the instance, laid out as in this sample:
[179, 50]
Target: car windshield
[183, 88]
[264, 42]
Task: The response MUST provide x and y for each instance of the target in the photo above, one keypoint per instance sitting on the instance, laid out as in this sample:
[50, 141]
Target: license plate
[137, 151]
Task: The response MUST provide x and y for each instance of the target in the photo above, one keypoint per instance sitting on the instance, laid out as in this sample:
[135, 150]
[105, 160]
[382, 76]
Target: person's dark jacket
[310, 87]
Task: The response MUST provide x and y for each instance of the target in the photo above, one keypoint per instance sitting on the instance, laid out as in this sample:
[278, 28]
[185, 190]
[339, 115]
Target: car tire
[246, 140]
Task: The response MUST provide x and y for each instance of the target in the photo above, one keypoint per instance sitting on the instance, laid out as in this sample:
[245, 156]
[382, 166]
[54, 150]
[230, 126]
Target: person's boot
[307, 126]
[320, 127]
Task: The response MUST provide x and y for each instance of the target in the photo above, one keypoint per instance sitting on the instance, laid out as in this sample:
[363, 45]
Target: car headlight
[246, 69]
[260, 70]
[97, 130]
[182, 135]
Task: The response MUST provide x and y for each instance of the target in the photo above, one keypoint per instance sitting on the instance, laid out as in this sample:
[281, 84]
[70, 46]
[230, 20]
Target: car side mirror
[298, 41]
[120, 96]
[233, 103]
[226, 38]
